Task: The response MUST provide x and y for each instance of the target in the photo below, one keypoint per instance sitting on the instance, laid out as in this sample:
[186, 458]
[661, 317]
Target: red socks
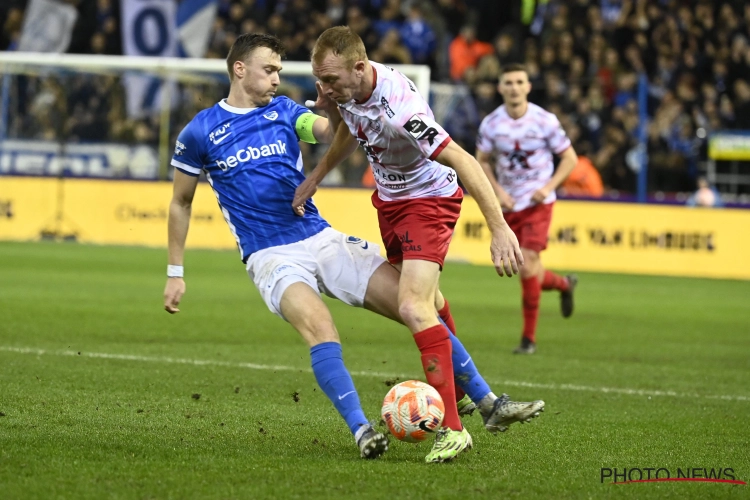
[530, 294]
[435, 346]
[554, 281]
[445, 315]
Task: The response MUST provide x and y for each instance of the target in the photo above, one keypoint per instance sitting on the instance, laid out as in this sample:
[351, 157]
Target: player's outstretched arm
[342, 146]
[506, 254]
[325, 130]
[568, 160]
[178, 223]
[506, 200]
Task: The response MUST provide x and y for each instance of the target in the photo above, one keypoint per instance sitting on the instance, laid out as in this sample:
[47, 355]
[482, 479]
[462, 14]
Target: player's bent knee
[303, 308]
[532, 263]
[415, 312]
[529, 254]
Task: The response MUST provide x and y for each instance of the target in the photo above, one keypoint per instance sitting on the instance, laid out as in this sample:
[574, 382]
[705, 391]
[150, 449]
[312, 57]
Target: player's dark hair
[511, 67]
[248, 42]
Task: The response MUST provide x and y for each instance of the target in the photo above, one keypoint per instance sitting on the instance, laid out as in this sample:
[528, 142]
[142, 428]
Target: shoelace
[502, 400]
[441, 435]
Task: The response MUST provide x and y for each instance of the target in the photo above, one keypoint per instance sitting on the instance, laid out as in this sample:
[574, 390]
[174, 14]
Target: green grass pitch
[99, 392]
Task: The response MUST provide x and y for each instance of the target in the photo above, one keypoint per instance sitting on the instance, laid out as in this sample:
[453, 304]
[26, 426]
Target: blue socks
[465, 372]
[334, 379]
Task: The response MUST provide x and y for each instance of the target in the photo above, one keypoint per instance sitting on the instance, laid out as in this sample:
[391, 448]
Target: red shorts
[531, 225]
[418, 228]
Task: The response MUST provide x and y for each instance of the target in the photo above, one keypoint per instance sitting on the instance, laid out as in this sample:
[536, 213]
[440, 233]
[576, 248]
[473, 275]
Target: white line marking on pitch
[254, 366]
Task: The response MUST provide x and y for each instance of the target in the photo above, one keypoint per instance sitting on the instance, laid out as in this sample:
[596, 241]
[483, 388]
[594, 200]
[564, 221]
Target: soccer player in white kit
[418, 200]
[520, 138]
[248, 147]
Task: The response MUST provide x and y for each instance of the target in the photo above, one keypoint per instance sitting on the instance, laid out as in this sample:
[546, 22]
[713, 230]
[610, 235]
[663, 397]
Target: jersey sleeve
[557, 139]
[188, 152]
[295, 112]
[413, 120]
[484, 142]
[304, 127]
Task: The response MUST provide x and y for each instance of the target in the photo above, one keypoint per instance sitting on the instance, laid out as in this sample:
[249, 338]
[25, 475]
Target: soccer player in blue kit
[247, 144]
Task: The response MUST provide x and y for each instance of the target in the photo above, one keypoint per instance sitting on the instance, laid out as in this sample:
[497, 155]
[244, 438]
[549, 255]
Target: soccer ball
[412, 410]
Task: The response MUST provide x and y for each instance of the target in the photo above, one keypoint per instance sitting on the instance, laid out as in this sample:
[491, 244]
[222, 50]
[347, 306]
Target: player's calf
[566, 296]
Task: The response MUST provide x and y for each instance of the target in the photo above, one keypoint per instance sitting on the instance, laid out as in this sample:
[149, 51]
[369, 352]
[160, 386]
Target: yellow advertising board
[105, 212]
[585, 236]
[729, 145]
[630, 238]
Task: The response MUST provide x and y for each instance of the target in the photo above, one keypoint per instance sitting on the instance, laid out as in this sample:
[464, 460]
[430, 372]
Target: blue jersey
[253, 162]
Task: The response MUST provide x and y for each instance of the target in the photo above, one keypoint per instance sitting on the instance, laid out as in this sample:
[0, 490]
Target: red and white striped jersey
[523, 150]
[401, 138]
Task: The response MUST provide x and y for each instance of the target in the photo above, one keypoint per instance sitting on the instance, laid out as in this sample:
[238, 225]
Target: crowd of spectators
[586, 60]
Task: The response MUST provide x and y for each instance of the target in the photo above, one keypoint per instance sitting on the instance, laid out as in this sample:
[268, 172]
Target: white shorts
[331, 262]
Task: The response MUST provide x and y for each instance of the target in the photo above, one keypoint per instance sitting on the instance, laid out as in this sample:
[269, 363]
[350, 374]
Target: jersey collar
[236, 111]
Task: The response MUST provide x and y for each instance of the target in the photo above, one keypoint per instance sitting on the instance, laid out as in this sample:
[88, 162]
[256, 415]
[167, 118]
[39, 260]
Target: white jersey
[523, 150]
[401, 138]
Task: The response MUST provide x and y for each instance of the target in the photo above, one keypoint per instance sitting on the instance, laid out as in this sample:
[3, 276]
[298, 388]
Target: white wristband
[175, 271]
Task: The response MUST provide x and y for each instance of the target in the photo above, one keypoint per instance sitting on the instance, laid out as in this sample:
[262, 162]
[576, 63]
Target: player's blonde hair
[341, 41]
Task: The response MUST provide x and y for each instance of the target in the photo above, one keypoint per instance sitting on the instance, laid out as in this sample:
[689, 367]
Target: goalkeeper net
[119, 116]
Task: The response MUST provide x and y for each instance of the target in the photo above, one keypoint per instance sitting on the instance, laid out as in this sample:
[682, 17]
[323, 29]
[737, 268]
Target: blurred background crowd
[587, 60]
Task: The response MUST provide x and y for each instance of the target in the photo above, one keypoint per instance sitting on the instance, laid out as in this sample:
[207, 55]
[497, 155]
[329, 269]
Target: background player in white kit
[520, 138]
[418, 199]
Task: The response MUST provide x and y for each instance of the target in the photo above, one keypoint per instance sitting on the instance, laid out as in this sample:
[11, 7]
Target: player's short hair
[511, 67]
[246, 43]
[341, 41]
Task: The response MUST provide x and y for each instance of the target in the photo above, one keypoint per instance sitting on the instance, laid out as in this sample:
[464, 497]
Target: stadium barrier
[585, 236]
[54, 158]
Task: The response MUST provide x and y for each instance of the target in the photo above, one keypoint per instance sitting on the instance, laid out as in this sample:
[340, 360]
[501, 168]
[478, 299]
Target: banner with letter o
[148, 29]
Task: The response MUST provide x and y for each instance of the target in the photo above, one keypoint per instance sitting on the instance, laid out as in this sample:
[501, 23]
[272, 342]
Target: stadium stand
[584, 57]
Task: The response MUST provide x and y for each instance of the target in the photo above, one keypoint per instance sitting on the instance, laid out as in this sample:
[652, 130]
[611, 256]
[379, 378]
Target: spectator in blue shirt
[418, 37]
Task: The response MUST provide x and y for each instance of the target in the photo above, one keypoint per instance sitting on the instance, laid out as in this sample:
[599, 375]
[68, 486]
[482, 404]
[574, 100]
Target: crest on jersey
[179, 148]
[376, 125]
[271, 116]
[518, 158]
